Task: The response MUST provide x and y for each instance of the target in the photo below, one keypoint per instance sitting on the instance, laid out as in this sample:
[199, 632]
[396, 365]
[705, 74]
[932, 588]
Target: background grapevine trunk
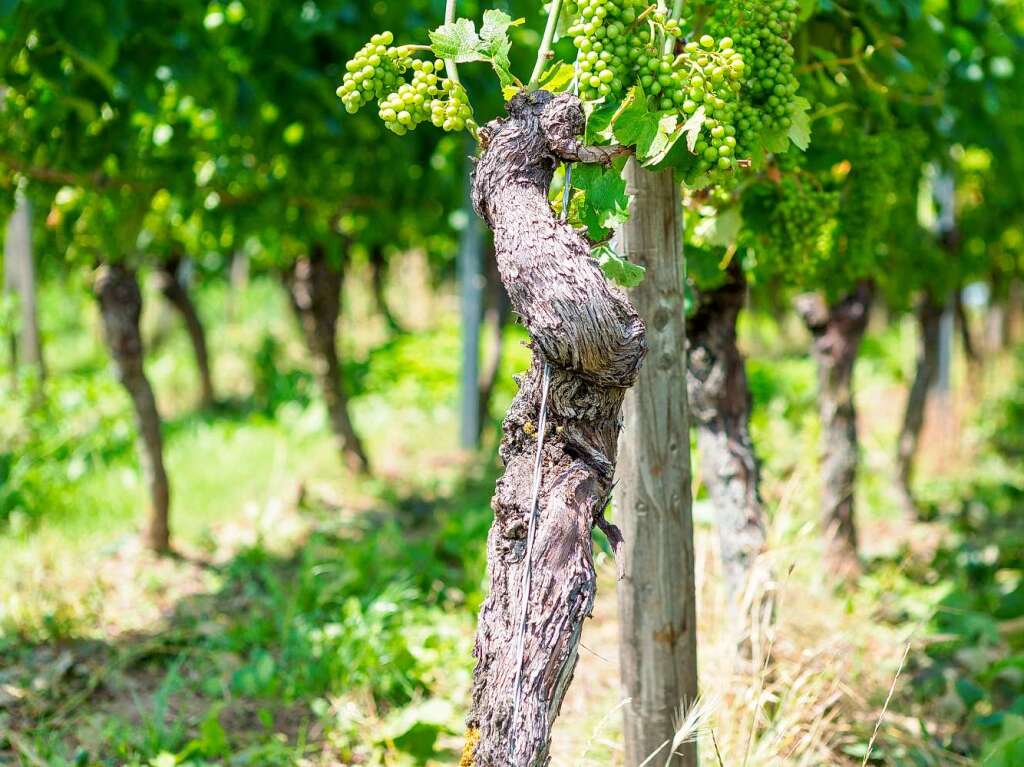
[929, 318]
[120, 301]
[837, 330]
[720, 405]
[176, 293]
[314, 286]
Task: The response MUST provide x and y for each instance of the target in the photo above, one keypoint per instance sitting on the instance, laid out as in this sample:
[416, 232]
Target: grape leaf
[775, 142]
[633, 124]
[692, 127]
[605, 203]
[457, 40]
[616, 268]
[669, 132]
[496, 25]
[800, 128]
[498, 55]
[720, 229]
[599, 119]
[495, 45]
[557, 77]
[652, 133]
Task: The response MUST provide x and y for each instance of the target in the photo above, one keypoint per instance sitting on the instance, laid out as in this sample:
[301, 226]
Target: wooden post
[20, 279]
[471, 299]
[657, 612]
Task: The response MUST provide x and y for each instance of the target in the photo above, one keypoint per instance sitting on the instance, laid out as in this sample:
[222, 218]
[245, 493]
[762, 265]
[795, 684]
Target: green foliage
[460, 42]
[789, 225]
[969, 674]
[604, 204]
[769, 114]
[53, 438]
[296, 634]
[618, 269]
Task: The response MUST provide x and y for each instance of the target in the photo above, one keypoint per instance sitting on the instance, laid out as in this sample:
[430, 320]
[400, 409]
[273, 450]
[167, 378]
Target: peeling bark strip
[929, 318]
[314, 287]
[720, 406]
[657, 599]
[120, 303]
[594, 341]
[177, 295]
[837, 331]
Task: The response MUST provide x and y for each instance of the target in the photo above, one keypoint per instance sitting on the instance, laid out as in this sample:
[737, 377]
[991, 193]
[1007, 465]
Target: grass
[317, 619]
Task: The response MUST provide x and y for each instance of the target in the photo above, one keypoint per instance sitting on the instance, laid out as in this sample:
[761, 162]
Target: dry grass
[808, 687]
[803, 688]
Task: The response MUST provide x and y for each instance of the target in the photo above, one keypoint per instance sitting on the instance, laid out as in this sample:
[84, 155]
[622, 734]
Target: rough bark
[837, 331]
[593, 340]
[929, 317]
[20, 279]
[378, 279]
[720, 405]
[176, 293]
[314, 287]
[657, 600]
[496, 316]
[120, 301]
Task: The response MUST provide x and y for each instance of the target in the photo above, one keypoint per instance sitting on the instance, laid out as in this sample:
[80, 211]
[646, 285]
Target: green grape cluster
[794, 221]
[803, 210]
[709, 75]
[619, 44]
[606, 33]
[452, 113]
[874, 163]
[374, 71]
[763, 29]
[405, 108]
[378, 72]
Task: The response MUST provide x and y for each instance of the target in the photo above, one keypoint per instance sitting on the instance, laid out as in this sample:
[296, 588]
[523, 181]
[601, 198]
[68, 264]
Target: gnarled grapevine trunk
[174, 291]
[657, 599]
[593, 340]
[837, 331]
[929, 318]
[314, 286]
[720, 405]
[120, 300]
